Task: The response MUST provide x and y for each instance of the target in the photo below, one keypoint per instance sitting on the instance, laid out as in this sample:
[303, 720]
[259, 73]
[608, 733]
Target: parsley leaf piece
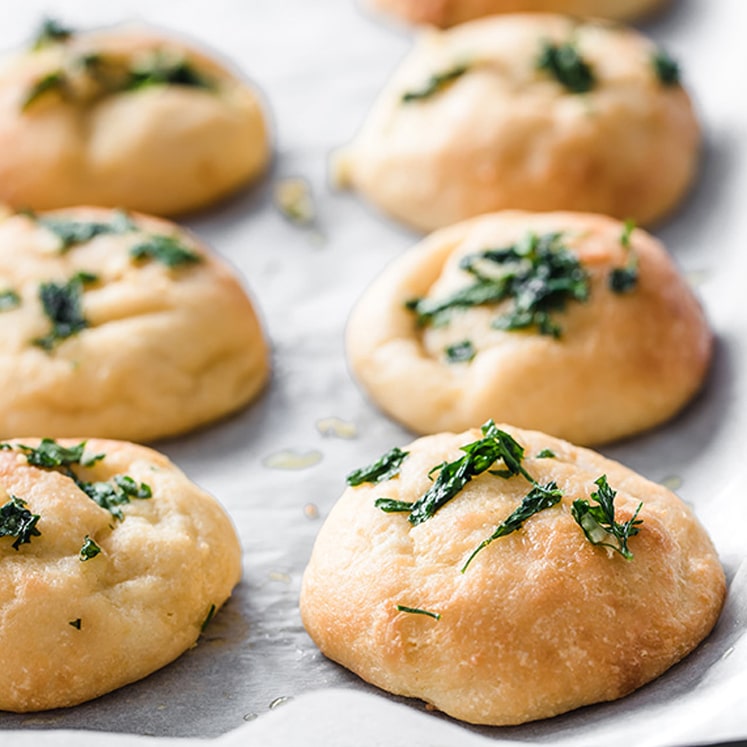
[89, 549]
[384, 468]
[666, 68]
[54, 81]
[9, 299]
[167, 250]
[74, 232]
[564, 63]
[163, 70]
[210, 615]
[112, 495]
[460, 352]
[62, 305]
[76, 623]
[17, 521]
[598, 522]
[538, 274]
[479, 457]
[51, 31]
[418, 611]
[624, 279]
[537, 499]
[390, 506]
[546, 454]
[435, 84]
[49, 454]
[130, 488]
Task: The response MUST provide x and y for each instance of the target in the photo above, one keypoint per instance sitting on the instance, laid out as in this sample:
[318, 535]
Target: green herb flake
[564, 63]
[112, 495]
[538, 275]
[167, 250]
[537, 499]
[9, 300]
[51, 31]
[384, 468]
[460, 352]
[17, 521]
[210, 615]
[546, 454]
[54, 81]
[76, 623]
[667, 70]
[624, 279]
[62, 303]
[89, 549]
[71, 233]
[390, 506]
[164, 70]
[435, 84]
[418, 611]
[50, 454]
[598, 522]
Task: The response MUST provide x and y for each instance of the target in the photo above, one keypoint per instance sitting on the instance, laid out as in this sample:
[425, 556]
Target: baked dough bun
[504, 133]
[623, 361]
[162, 149]
[542, 621]
[450, 12]
[73, 629]
[161, 349]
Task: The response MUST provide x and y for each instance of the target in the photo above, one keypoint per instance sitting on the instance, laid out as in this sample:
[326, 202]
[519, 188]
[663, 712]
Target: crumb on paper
[279, 576]
[282, 700]
[250, 716]
[289, 459]
[337, 428]
[672, 482]
[310, 511]
[295, 201]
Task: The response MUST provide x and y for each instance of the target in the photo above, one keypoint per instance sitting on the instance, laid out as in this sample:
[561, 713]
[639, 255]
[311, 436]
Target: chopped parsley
[210, 615]
[537, 499]
[51, 31]
[109, 495]
[74, 232]
[165, 70]
[546, 454]
[76, 623]
[418, 611]
[564, 63]
[435, 84]
[167, 250]
[460, 352]
[598, 522]
[667, 70]
[539, 275]
[624, 279]
[17, 521]
[54, 81]
[384, 468]
[89, 549]
[453, 476]
[9, 299]
[62, 303]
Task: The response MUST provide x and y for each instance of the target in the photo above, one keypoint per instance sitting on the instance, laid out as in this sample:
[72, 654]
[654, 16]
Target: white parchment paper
[255, 677]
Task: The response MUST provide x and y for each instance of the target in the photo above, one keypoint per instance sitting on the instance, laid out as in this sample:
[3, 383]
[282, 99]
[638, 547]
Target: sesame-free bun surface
[623, 361]
[166, 349]
[542, 621]
[451, 12]
[138, 604]
[506, 134]
[162, 149]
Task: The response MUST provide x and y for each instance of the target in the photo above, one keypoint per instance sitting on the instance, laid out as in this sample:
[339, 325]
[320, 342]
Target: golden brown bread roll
[585, 362]
[542, 619]
[123, 565]
[534, 112]
[125, 117]
[121, 325]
